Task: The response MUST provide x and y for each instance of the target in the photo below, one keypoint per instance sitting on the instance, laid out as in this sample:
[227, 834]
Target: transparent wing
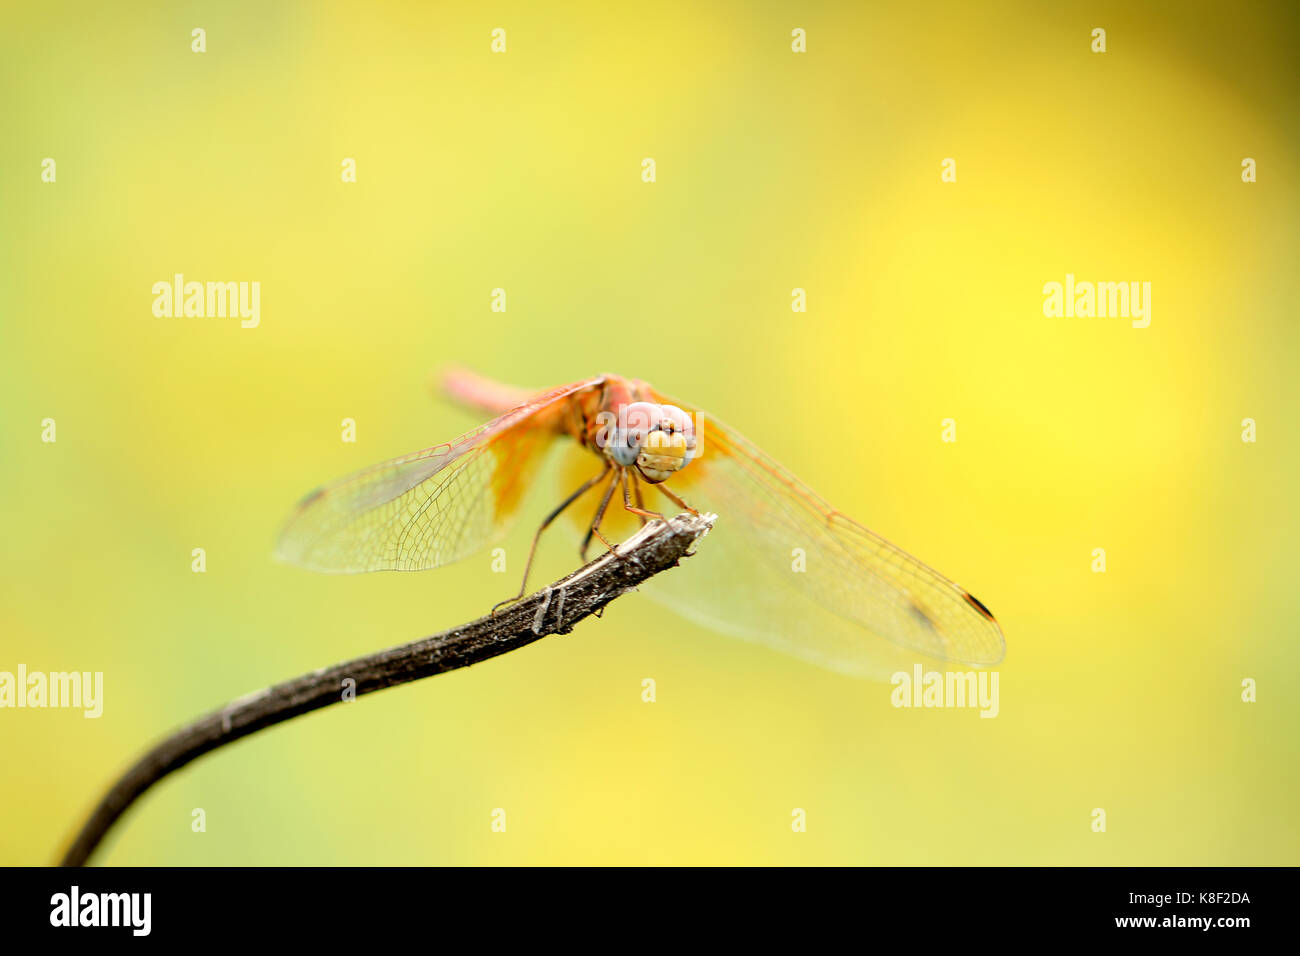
[429, 508]
[784, 568]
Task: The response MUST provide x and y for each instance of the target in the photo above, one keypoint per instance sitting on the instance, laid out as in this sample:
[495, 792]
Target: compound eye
[641, 418]
[625, 446]
[680, 420]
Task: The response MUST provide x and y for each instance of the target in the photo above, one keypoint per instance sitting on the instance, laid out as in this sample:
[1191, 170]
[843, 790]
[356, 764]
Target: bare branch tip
[656, 547]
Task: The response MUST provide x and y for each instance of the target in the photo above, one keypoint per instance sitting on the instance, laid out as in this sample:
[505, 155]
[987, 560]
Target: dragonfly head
[658, 439]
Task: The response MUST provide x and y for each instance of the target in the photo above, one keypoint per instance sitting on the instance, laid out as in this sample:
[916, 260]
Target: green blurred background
[775, 170]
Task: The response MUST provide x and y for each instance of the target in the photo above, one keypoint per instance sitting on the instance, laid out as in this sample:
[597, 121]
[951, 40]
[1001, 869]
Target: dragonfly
[781, 567]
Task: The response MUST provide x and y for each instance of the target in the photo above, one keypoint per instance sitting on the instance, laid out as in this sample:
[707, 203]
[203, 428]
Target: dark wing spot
[921, 616]
[311, 496]
[974, 602]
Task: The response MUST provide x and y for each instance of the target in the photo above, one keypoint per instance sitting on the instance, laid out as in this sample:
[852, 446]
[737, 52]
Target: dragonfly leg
[637, 509]
[595, 529]
[677, 501]
[532, 552]
[595, 522]
[640, 502]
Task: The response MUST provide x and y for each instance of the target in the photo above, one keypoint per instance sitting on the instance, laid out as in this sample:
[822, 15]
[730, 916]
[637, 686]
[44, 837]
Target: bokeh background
[775, 170]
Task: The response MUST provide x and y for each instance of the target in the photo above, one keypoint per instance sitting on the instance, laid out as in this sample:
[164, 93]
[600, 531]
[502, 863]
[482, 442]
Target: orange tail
[476, 391]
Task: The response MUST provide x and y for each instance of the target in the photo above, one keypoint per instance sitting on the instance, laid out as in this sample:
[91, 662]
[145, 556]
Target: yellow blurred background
[775, 170]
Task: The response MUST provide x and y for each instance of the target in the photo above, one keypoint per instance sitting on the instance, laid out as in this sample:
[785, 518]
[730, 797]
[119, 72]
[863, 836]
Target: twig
[553, 610]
